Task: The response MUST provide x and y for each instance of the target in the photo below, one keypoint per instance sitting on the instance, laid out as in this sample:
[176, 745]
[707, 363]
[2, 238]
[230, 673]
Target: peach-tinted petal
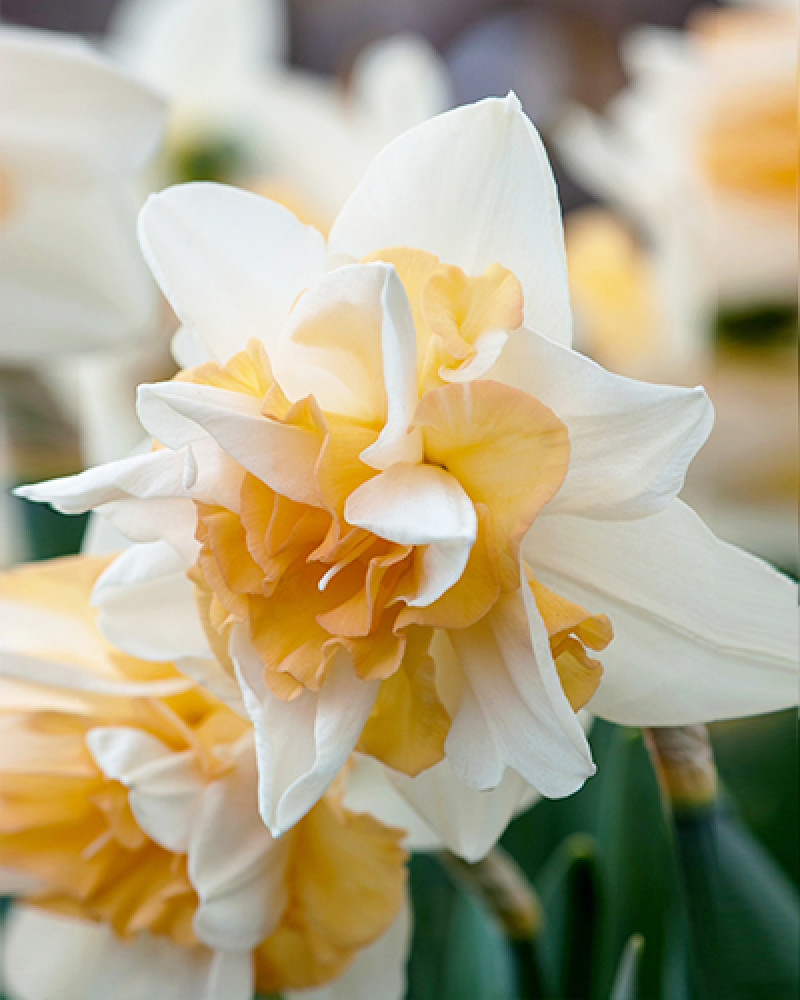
[346, 881]
[408, 724]
[460, 309]
[506, 449]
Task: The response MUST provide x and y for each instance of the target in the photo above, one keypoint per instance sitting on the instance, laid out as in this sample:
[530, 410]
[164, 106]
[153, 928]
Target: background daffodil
[129, 828]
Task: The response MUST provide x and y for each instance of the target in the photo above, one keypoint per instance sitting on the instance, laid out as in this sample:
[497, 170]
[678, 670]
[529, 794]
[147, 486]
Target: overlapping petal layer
[136, 807]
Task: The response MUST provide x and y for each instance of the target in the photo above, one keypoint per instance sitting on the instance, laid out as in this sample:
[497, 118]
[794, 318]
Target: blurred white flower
[408, 511]
[238, 113]
[700, 154]
[76, 134]
[129, 806]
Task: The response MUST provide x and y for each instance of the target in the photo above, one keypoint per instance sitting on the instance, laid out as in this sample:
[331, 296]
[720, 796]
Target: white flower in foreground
[129, 823]
[408, 511]
[239, 112]
[76, 134]
[700, 151]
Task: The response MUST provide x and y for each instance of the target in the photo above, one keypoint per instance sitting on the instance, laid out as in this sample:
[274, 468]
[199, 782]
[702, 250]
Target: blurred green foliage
[638, 905]
[760, 326]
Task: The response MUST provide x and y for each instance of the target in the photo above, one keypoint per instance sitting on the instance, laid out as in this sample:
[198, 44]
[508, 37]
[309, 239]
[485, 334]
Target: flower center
[322, 555]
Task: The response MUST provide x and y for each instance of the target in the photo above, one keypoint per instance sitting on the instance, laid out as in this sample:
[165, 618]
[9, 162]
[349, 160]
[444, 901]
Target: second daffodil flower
[129, 827]
[411, 517]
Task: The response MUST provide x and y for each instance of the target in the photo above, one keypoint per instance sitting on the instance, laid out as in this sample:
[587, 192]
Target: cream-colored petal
[89, 961]
[280, 454]
[148, 583]
[195, 49]
[350, 342]
[165, 787]
[230, 262]
[301, 745]
[237, 868]
[419, 505]
[702, 630]
[472, 186]
[70, 112]
[513, 712]
[630, 442]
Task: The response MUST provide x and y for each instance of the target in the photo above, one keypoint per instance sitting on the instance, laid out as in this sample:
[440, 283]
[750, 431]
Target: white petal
[350, 342]
[70, 112]
[301, 745]
[514, 712]
[378, 972]
[630, 442]
[165, 787]
[230, 977]
[147, 606]
[436, 808]
[71, 274]
[187, 348]
[469, 822]
[488, 348]
[49, 956]
[234, 421]
[419, 505]
[703, 631]
[158, 407]
[230, 262]
[472, 186]
[399, 81]
[399, 349]
[369, 789]
[237, 868]
[53, 673]
[158, 474]
[193, 49]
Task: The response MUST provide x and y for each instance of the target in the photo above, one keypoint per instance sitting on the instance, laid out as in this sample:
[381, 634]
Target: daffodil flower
[410, 516]
[76, 134]
[239, 113]
[129, 823]
[700, 152]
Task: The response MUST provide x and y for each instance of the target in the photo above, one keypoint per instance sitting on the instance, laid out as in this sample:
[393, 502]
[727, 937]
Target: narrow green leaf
[744, 911]
[637, 856]
[625, 981]
[477, 963]
[433, 897]
[570, 887]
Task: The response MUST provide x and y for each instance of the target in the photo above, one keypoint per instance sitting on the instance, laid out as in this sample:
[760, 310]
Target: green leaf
[624, 987]
[757, 760]
[570, 886]
[637, 855]
[433, 897]
[477, 962]
[743, 911]
[51, 533]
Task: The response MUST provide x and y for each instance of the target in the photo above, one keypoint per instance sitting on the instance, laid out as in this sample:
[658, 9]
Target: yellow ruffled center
[307, 584]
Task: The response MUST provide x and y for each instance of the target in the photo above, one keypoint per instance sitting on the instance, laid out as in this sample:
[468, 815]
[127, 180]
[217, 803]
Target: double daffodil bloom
[76, 134]
[395, 512]
[129, 823]
[700, 153]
